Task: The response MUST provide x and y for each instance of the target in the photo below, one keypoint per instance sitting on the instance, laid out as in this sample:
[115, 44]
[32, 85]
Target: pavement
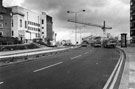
[128, 77]
[19, 56]
[22, 51]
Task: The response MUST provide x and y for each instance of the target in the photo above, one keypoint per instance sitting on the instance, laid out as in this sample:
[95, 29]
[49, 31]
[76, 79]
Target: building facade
[49, 28]
[132, 20]
[5, 21]
[27, 25]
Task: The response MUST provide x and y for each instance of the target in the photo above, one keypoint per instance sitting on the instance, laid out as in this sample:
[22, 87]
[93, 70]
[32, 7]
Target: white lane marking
[111, 76]
[116, 76]
[86, 53]
[1, 83]
[47, 67]
[76, 57]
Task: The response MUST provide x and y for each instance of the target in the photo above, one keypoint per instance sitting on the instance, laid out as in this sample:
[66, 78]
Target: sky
[116, 13]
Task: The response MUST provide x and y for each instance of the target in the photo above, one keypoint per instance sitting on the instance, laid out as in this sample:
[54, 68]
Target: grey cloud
[125, 1]
[91, 15]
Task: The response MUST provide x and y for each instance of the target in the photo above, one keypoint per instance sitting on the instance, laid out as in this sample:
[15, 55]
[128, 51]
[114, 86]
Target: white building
[27, 25]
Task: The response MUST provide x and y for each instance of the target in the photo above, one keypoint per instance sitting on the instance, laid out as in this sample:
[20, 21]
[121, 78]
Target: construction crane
[94, 25]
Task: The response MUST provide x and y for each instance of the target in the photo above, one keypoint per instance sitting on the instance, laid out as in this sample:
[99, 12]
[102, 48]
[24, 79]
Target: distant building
[5, 21]
[132, 20]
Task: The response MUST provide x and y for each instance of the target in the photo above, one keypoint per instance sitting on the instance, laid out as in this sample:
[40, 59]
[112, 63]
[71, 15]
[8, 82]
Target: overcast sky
[116, 13]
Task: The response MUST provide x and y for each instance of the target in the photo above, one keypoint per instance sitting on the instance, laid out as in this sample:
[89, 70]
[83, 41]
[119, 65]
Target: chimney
[1, 2]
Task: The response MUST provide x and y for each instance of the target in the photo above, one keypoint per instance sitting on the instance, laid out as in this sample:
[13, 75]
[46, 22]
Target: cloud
[116, 13]
[12, 2]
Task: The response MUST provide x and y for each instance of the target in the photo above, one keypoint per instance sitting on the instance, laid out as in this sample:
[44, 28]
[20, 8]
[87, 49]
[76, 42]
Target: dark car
[84, 44]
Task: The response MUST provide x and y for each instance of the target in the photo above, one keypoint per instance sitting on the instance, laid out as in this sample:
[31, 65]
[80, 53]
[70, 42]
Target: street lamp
[76, 22]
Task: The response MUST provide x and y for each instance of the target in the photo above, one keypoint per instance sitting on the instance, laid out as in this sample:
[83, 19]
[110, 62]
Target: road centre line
[1, 83]
[111, 76]
[86, 52]
[75, 57]
[47, 67]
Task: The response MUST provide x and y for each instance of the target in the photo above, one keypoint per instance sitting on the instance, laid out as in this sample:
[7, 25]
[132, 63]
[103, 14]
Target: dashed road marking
[76, 57]
[47, 67]
[86, 53]
[1, 83]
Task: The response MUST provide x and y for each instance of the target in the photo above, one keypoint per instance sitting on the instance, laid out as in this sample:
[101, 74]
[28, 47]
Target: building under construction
[132, 20]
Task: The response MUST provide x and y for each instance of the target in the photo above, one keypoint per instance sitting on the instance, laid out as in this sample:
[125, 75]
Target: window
[36, 24]
[36, 34]
[28, 28]
[1, 25]
[1, 17]
[5, 23]
[20, 23]
[12, 22]
[12, 33]
[42, 27]
[42, 21]
[1, 34]
[25, 24]
[28, 22]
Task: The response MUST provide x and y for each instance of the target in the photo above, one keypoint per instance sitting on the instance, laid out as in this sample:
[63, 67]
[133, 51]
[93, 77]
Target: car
[84, 44]
[97, 43]
[109, 43]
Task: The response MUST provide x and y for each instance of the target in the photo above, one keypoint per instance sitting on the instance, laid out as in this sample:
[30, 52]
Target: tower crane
[94, 25]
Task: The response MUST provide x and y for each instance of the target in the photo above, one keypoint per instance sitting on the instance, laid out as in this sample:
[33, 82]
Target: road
[81, 68]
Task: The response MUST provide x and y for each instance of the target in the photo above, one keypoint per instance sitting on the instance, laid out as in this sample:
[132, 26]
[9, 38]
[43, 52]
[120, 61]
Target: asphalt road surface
[81, 68]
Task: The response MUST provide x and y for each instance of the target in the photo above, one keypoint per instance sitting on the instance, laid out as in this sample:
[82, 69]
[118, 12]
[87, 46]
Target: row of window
[34, 29]
[33, 23]
[29, 22]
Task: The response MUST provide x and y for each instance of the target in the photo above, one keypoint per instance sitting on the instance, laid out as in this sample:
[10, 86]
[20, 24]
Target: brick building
[5, 20]
[25, 24]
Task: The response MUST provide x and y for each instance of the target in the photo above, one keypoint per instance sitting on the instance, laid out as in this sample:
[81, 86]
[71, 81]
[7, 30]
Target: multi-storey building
[132, 20]
[27, 25]
[5, 21]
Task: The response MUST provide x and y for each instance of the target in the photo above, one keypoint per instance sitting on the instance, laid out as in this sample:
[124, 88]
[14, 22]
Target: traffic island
[29, 56]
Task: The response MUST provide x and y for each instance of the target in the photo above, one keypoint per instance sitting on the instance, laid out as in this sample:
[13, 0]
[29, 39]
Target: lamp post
[76, 22]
